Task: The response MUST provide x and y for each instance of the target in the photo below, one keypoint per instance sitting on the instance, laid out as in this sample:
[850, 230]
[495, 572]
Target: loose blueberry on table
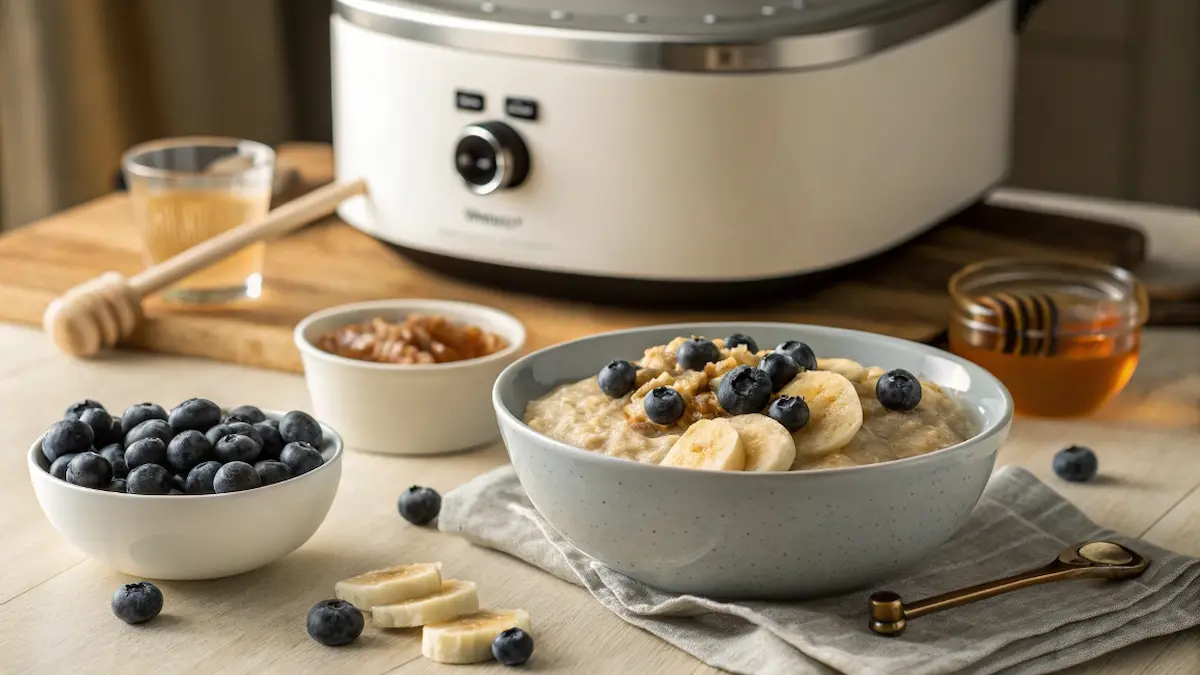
[1076, 464]
[617, 378]
[148, 451]
[512, 647]
[741, 340]
[801, 353]
[898, 390]
[744, 390]
[696, 353]
[419, 505]
[663, 405]
[334, 623]
[137, 603]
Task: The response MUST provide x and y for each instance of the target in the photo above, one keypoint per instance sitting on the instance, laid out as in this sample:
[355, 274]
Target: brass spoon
[1090, 560]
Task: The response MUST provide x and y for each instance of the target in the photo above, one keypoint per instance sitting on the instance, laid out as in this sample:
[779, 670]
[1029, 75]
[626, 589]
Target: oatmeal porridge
[723, 404]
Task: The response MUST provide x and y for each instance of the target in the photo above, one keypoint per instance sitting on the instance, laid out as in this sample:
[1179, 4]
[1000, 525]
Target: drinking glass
[187, 190]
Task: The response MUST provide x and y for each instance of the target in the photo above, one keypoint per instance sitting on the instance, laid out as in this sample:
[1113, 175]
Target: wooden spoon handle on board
[101, 312]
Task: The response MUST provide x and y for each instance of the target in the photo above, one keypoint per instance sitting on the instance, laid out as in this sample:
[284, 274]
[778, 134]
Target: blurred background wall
[1108, 101]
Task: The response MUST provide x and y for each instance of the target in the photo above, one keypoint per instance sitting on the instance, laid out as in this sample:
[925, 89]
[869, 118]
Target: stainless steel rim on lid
[679, 35]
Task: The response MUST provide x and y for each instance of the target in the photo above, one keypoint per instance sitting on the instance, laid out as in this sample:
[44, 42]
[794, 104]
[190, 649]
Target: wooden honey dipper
[101, 312]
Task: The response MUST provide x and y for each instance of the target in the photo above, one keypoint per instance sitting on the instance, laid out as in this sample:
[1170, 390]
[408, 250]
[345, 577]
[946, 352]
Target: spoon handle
[1090, 560]
[300, 211]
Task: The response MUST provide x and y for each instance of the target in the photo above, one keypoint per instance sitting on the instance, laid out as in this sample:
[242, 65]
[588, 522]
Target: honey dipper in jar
[1063, 336]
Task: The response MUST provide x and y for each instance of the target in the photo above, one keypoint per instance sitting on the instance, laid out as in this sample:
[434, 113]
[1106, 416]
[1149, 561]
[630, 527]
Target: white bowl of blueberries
[196, 492]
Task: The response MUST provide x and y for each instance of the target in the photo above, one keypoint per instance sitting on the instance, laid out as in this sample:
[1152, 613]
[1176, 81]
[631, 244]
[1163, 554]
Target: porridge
[724, 404]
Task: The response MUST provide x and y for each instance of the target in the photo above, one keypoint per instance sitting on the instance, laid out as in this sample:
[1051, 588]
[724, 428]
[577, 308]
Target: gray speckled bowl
[753, 535]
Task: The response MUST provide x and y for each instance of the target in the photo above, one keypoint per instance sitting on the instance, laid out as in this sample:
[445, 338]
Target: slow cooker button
[468, 100]
[521, 108]
[490, 156]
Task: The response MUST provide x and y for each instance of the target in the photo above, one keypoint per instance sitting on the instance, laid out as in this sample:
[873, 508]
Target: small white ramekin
[406, 409]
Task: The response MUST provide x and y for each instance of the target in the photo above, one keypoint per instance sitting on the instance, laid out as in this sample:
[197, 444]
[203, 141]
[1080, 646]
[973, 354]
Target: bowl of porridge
[752, 460]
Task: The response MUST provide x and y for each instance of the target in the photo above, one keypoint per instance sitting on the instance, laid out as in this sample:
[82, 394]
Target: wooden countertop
[54, 615]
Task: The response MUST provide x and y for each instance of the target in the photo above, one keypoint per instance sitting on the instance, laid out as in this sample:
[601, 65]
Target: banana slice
[851, 370]
[767, 444]
[835, 413]
[391, 585]
[711, 444]
[453, 600]
[468, 639]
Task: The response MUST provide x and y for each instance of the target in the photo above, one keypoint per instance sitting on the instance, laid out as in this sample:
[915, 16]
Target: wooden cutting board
[901, 293]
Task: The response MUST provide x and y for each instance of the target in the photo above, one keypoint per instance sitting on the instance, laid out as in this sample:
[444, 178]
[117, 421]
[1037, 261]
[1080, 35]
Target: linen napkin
[1019, 524]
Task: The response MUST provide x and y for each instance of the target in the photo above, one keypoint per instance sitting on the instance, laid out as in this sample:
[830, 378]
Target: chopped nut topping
[420, 338]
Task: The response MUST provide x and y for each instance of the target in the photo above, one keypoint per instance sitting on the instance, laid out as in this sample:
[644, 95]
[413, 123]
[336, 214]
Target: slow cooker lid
[688, 35]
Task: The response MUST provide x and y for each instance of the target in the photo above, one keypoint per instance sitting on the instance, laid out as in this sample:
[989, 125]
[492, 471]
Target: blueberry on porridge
[722, 404]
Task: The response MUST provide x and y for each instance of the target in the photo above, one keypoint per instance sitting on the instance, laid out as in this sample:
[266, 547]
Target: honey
[1062, 336]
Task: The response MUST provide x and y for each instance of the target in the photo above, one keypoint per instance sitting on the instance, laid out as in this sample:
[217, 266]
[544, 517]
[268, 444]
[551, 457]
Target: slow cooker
[674, 148]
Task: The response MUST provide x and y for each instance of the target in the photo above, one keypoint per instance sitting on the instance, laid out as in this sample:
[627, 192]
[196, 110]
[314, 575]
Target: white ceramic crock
[406, 409]
[186, 537]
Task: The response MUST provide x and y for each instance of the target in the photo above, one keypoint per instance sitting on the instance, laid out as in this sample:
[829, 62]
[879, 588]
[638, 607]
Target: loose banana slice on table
[851, 370]
[711, 444]
[454, 599]
[835, 413]
[391, 585]
[468, 639]
[767, 444]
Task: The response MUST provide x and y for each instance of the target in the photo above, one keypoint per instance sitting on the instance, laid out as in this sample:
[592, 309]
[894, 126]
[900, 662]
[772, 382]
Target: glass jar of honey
[1063, 336]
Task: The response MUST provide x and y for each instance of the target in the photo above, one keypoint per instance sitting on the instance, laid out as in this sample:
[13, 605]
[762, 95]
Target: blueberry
[617, 378]
[137, 603]
[148, 479]
[200, 414]
[300, 427]
[1076, 464]
[272, 422]
[240, 429]
[801, 353]
[178, 483]
[76, 409]
[781, 368]
[696, 353]
[155, 428]
[67, 437]
[741, 339]
[248, 413]
[334, 623]
[790, 411]
[300, 457]
[216, 433]
[419, 505]
[200, 478]
[270, 471]
[231, 418]
[115, 455]
[58, 468]
[141, 412]
[89, 469]
[663, 405]
[235, 477]
[898, 390]
[149, 450]
[114, 435]
[272, 442]
[512, 647]
[117, 485]
[236, 448]
[100, 422]
[186, 450]
[744, 390]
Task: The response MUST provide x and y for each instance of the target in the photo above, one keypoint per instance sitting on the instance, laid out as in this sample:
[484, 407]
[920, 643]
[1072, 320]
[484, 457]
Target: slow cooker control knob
[491, 156]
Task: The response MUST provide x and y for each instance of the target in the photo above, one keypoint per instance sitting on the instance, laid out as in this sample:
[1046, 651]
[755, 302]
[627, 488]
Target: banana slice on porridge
[708, 444]
[836, 414]
[767, 444]
[851, 370]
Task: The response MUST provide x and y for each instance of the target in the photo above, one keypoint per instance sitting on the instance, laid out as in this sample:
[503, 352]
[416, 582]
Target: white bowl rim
[328, 431]
[516, 341]
[994, 429]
